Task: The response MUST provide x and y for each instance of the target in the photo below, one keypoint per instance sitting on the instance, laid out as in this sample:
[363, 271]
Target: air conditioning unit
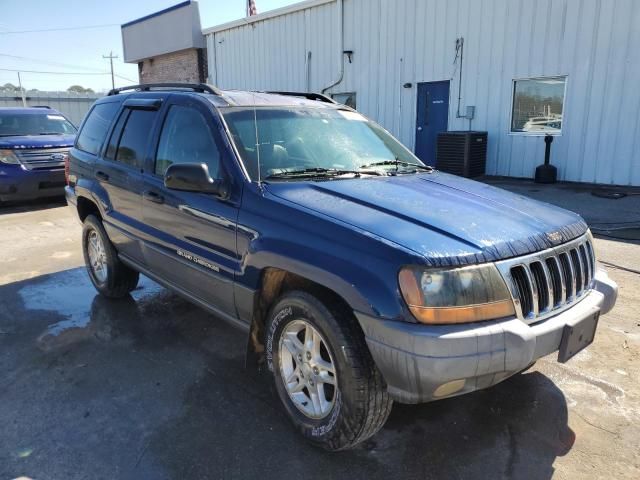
[462, 153]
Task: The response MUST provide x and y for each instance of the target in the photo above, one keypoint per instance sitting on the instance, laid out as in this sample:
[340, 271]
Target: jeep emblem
[554, 237]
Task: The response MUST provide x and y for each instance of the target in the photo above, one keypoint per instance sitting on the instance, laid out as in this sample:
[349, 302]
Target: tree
[79, 89]
[9, 87]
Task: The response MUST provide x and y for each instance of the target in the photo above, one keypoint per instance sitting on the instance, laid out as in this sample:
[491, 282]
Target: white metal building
[529, 67]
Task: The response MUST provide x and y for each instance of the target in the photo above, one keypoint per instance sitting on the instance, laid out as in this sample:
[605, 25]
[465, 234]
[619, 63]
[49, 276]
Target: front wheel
[109, 275]
[323, 372]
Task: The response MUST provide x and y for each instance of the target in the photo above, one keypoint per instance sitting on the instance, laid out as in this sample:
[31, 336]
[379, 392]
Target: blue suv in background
[360, 275]
[34, 142]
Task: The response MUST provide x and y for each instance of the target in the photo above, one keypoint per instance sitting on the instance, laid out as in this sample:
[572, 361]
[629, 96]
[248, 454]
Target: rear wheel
[109, 275]
[323, 372]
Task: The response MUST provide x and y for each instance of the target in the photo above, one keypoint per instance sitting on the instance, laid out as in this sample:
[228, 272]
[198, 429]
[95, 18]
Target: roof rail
[308, 95]
[41, 106]
[145, 87]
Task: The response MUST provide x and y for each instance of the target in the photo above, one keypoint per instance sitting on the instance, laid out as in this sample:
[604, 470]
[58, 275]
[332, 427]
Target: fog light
[449, 388]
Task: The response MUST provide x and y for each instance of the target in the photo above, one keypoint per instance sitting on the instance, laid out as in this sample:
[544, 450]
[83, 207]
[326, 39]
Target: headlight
[7, 156]
[455, 295]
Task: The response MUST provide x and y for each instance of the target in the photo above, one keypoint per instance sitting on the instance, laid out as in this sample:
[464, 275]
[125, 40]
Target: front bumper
[17, 184]
[419, 362]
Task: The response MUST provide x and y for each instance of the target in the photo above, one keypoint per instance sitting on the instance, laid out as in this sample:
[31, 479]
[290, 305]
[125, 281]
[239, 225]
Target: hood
[446, 219]
[37, 141]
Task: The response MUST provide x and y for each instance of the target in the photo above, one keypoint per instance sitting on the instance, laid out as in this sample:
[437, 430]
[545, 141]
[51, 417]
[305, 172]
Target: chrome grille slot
[540, 278]
[567, 274]
[592, 260]
[552, 280]
[525, 294]
[587, 266]
[577, 268]
[42, 158]
[556, 280]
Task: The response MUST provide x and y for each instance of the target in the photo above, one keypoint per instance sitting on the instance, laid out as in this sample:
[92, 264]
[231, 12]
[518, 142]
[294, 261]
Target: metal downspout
[341, 75]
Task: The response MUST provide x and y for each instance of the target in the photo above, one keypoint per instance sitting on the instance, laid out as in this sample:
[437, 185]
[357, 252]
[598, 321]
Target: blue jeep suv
[34, 142]
[360, 275]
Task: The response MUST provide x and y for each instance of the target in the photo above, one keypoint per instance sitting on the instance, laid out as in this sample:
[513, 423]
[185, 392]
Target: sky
[79, 51]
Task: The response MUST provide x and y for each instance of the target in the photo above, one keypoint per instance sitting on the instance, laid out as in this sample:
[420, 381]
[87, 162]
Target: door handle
[102, 176]
[152, 196]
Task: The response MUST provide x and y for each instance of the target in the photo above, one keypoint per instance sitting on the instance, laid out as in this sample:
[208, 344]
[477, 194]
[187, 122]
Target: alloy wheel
[307, 369]
[97, 256]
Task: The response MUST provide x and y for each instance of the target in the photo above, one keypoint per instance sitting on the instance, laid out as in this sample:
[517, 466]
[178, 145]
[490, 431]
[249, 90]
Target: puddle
[84, 312]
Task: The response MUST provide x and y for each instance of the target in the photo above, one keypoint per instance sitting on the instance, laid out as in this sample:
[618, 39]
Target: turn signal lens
[457, 295]
[474, 313]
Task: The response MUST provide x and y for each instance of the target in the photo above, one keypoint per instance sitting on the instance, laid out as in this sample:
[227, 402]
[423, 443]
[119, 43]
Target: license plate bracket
[578, 336]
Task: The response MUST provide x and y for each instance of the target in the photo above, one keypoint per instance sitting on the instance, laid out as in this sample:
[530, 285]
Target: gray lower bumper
[417, 359]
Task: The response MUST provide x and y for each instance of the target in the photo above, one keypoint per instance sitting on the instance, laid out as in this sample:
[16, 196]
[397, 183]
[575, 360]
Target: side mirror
[194, 177]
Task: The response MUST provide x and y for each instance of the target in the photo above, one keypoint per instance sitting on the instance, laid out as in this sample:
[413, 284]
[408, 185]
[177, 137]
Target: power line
[61, 29]
[97, 72]
[125, 78]
[36, 60]
[67, 73]
[53, 73]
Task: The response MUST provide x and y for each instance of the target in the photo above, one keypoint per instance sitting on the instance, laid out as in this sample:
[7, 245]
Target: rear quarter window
[94, 130]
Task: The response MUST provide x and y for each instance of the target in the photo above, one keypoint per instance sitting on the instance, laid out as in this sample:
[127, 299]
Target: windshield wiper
[319, 172]
[51, 133]
[397, 162]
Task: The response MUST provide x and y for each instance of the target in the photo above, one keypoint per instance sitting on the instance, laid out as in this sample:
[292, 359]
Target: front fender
[355, 285]
[359, 267]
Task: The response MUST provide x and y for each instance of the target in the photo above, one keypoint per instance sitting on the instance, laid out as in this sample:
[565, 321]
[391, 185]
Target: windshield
[312, 139]
[17, 124]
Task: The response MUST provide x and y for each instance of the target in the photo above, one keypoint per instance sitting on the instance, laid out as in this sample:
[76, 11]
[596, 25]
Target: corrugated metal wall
[594, 42]
[73, 106]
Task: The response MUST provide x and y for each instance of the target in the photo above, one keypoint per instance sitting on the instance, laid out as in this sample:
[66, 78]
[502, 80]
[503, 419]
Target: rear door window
[96, 126]
[131, 146]
[112, 146]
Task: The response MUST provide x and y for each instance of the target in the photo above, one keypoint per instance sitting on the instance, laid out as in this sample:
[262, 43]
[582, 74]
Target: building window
[348, 99]
[538, 104]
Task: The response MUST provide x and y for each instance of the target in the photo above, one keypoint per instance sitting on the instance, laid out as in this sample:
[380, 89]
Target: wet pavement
[152, 387]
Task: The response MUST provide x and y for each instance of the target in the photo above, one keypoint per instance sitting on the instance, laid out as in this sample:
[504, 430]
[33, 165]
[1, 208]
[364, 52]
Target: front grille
[523, 292]
[42, 158]
[550, 280]
[46, 185]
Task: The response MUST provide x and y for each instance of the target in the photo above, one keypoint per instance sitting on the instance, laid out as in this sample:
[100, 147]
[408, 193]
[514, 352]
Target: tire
[359, 403]
[114, 279]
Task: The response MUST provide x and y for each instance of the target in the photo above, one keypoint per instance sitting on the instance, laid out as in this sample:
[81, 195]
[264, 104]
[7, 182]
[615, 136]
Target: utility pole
[111, 56]
[24, 100]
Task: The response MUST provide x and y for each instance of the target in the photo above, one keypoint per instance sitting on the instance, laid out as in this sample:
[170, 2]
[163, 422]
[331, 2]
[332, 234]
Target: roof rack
[145, 87]
[308, 95]
[41, 106]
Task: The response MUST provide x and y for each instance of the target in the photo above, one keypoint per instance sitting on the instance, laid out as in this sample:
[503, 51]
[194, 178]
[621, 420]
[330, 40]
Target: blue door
[432, 118]
[192, 241]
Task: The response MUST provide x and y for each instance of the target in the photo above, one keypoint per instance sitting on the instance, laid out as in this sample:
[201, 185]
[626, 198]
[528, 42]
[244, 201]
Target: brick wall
[183, 66]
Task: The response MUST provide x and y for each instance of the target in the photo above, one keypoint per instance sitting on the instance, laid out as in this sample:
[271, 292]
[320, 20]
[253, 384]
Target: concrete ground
[152, 387]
